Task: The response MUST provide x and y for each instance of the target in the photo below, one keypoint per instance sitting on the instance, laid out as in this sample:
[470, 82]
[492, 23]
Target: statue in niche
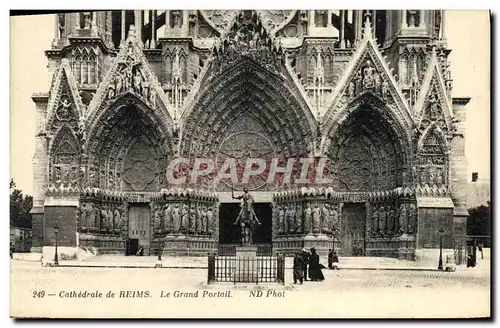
[291, 218]
[111, 218]
[385, 89]
[117, 219]
[358, 80]
[124, 221]
[91, 217]
[351, 90]
[176, 18]
[204, 219]
[128, 78]
[83, 217]
[325, 224]
[177, 221]
[298, 218]
[382, 217]
[439, 177]
[368, 76]
[376, 78]
[87, 20]
[167, 215]
[281, 219]
[192, 218]
[307, 218]
[285, 218]
[157, 219]
[402, 218]
[412, 214]
[104, 218]
[316, 218]
[185, 217]
[145, 89]
[199, 219]
[431, 175]
[423, 177]
[390, 219]
[210, 220]
[334, 219]
[61, 22]
[119, 82]
[111, 92]
[137, 82]
[375, 223]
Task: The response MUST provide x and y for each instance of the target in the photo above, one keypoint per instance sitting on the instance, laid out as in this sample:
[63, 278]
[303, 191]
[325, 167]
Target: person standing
[330, 259]
[298, 268]
[315, 273]
[305, 255]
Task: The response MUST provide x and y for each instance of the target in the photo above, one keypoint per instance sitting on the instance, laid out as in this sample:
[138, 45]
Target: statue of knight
[246, 218]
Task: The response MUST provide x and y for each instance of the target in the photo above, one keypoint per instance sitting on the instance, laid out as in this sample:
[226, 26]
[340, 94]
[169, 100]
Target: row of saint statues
[183, 218]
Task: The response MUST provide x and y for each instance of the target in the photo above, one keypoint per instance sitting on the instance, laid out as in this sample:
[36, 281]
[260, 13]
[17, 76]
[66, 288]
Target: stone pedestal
[246, 251]
[246, 268]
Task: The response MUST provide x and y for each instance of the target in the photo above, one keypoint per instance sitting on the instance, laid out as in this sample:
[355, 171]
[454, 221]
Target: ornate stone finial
[367, 32]
[131, 32]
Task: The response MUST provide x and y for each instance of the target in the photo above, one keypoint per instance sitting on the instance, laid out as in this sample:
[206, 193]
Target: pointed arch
[432, 164]
[64, 154]
[248, 87]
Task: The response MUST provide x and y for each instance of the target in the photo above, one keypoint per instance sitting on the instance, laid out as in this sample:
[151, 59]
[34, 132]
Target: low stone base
[246, 251]
[182, 245]
[290, 245]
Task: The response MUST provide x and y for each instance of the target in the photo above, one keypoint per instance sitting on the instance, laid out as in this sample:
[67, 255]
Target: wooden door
[353, 232]
[140, 225]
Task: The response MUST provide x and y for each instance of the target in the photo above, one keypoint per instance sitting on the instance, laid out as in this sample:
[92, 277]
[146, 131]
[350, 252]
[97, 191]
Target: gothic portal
[367, 90]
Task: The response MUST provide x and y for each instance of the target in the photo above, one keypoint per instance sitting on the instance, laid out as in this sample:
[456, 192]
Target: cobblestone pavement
[350, 293]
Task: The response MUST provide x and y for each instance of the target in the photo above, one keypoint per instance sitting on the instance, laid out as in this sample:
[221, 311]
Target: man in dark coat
[298, 268]
[305, 255]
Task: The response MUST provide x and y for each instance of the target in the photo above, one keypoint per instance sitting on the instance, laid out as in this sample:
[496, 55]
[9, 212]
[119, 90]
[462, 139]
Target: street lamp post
[56, 257]
[441, 234]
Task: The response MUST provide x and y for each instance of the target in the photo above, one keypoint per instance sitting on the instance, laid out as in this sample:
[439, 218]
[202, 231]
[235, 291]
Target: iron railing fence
[260, 269]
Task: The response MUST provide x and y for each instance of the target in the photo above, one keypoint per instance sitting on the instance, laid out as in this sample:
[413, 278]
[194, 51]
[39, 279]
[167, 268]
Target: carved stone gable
[248, 38]
[433, 113]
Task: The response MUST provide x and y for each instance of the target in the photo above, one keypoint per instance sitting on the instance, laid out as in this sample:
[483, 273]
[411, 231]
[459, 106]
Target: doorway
[353, 234]
[139, 228]
[230, 234]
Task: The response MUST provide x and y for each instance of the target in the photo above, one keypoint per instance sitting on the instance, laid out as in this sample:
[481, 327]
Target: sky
[467, 33]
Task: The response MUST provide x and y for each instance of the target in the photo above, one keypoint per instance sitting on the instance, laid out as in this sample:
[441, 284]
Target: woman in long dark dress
[315, 273]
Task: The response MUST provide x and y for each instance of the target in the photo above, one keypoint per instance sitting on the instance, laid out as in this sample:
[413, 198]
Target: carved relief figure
[167, 212]
[157, 219]
[291, 218]
[104, 218]
[199, 219]
[185, 217]
[439, 176]
[368, 76]
[431, 175]
[382, 219]
[111, 218]
[298, 218]
[412, 219]
[192, 217]
[385, 89]
[117, 220]
[176, 218]
[307, 218]
[137, 82]
[325, 224]
[281, 219]
[334, 219]
[390, 219]
[210, 218]
[285, 219]
[351, 90]
[316, 218]
[402, 218]
[83, 217]
[375, 223]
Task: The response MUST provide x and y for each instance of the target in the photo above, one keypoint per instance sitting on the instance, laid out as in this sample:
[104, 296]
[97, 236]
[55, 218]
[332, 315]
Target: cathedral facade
[368, 92]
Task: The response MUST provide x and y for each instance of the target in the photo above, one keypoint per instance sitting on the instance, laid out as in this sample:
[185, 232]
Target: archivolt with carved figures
[129, 149]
